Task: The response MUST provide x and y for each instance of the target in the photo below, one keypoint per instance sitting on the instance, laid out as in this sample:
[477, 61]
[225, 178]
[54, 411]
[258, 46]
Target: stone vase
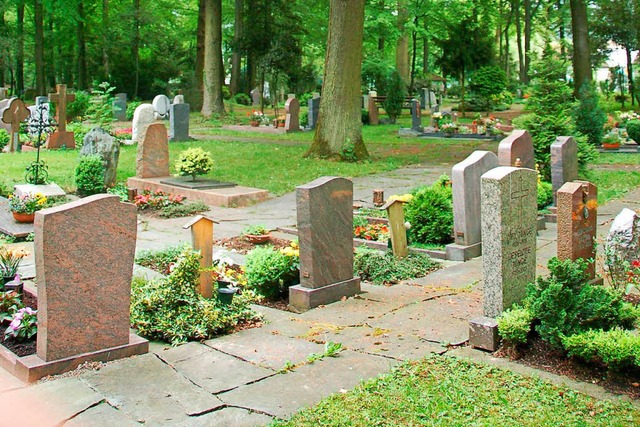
[26, 218]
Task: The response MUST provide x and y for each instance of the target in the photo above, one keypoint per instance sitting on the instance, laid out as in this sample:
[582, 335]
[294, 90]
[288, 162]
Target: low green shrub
[172, 310]
[185, 209]
[633, 130]
[77, 108]
[193, 162]
[381, 268]
[589, 117]
[616, 348]
[242, 99]
[364, 117]
[131, 108]
[270, 272]
[430, 214]
[565, 304]
[89, 175]
[4, 138]
[120, 190]
[515, 324]
[545, 194]
[304, 119]
[79, 131]
[160, 261]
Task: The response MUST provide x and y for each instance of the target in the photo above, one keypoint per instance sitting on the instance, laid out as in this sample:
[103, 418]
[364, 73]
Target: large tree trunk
[339, 127]
[50, 55]
[402, 45]
[581, 53]
[414, 52]
[135, 48]
[20, 49]
[38, 19]
[528, 18]
[236, 58]
[83, 83]
[518, 16]
[213, 68]
[198, 75]
[3, 35]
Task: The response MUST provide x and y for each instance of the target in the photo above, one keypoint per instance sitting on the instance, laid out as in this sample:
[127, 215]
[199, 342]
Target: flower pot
[223, 284]
[7, 279]
[225, 295]
[26, 218]
[254, 123]
[258, 239]
[608, 146]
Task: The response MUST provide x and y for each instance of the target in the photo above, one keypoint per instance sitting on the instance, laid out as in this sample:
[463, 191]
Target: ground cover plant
[446, 391]
[270, 271]
[382, 268]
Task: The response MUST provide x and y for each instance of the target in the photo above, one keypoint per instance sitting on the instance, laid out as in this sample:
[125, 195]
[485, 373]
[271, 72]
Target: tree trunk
[581, 53]
[402, 45]
[522, 73]
[51, 58]
[561, 30]
[527, 39]
[105, 39]
[82, 49]
[630, 74]
[135, 49]
[381, 44]
[38, 19]
[414, 49]
[507, 51]
[213, 68]
[20, 49]
[236, 58]
[339, 127]
[3, 35]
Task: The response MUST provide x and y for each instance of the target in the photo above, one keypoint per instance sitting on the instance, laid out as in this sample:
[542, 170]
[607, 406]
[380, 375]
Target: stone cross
[292, 120]
[152, 160]
[518, 145]
[15, 113]
[577, 222]
[202, 240]
[564, 163]
[509, 216]
[61, 138]
[397, 230]
[325, 230]
[465, 182]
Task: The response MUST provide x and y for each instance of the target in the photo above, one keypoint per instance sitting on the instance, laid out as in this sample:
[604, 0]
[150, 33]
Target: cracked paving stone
[150, 391]
[102, 415]
[48, 403]
[228, 417]
[457, 276]
[284, 394]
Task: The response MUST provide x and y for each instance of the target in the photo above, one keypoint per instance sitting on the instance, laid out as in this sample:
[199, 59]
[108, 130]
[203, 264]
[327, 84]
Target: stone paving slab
[284, 394]
[457, 276]
[102, 415]
[228, 417]
[149, 391]
[214, 371]
[267, 350]
[8, 382]
[48, 403]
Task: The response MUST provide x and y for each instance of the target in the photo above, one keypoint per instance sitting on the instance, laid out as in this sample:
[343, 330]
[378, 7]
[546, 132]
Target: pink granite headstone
[84, 262]
[152, 160]
[292, 119]
[518, 145]
[564, 163]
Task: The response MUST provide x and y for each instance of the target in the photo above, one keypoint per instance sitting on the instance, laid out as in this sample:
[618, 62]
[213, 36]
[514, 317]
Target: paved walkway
[241, 379]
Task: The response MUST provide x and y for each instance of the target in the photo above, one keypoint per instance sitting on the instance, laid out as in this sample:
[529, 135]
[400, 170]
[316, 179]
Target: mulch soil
[539, 355]
[242, 246]
[24, 348]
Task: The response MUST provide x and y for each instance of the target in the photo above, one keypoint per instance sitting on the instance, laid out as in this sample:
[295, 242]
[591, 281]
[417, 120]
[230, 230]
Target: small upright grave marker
[577, 222]
[161, 104]
[374, 117]
[292, 120]
[397, 230]
[179, 122]
[14, 114]
[564, 163]
[152, 160]
[518, 145]
[416, 116]
[119, 106]
[61, 138]
[325, 230]
[509, 214]
[143, 116]
[314, 111]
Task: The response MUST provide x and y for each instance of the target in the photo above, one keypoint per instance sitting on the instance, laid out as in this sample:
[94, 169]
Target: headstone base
[47, 190]
[457, 252]
[303, 299]
[541, 223]
[483, 333]
[32, 368]
[552, 216]
[61, 139]
[198, 184]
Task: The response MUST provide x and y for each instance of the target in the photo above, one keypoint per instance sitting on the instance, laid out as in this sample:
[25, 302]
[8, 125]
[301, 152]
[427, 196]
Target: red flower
[636, 263]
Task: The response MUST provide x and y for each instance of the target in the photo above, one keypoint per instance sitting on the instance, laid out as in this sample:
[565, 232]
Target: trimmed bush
[193, 162]
[270, 271]
[382, 268]
[515, 324]
[430, 214]
[633, 130]
[242, 99]
[615, 348]
[545, 194]
[4, 138]
[396, 93]
[89, 175]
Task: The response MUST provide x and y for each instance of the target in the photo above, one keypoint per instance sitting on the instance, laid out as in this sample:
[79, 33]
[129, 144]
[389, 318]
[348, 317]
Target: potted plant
[24, 207]
[9, 262]
[279, 121]
[256, 234]
[222, 270]
[194, 162]
[611, 141]
[449, 129]
[256, 118]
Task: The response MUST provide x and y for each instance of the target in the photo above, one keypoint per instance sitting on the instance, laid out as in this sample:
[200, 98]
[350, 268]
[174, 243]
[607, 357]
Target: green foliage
[10, 303]
[4, 139]
[160, 261]
[78, 107]
[79, 131]
[193, 162]
[364, 116]
[488, 83]
[375, 74]
[23, 325]
[565, 304]
[348, 152]
[255, 230]
[382, 268]
[270, 271]
[633, 129]
[588, 116]
[545, 194]
[120, 190]
[616, 348]
[430, 214]
[89, 175]
[514, 325]
[396, 92]
[304, 119]
[331, 349]
[242, 99]
[131, 108]
[172, 310]
[100, 111]
[183, 209]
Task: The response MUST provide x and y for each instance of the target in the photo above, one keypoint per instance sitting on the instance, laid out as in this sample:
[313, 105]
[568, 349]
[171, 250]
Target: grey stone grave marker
[416, 116]
[314, 111]
[99, 142]
[161, 105]
[564, 163]
[119, 106]
[179, 122]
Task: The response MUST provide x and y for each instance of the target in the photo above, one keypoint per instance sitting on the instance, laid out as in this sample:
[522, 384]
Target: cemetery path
[250, 377]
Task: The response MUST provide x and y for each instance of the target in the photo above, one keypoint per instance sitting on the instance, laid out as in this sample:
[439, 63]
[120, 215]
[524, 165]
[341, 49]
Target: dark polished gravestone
[325, 230]
[198, 184]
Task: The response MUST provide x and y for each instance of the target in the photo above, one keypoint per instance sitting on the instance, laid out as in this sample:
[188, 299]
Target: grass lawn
[445, 391]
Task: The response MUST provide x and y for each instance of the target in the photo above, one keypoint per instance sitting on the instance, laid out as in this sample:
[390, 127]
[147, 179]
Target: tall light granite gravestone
[152, 160]
[84, 285]
[564, 163]
[465, 182]
[518, 145]
[143, 116]
[577, 222]
[509, 212]
[416, 116]
[325, 230]
[179, 122]
[292, 119]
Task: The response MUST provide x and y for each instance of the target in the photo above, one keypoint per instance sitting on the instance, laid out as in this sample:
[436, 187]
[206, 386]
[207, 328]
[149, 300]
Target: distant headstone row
[161, 108]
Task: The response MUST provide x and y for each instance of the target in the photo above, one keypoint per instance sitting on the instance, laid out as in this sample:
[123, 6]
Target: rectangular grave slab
[179, 122]
[325, 223]
[577, 222]
[509, 217]
[198, 184]
[84, 263]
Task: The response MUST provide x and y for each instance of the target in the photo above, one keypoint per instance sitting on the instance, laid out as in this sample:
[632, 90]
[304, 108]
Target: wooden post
[15, 113]
[397, 231]
[202, 240]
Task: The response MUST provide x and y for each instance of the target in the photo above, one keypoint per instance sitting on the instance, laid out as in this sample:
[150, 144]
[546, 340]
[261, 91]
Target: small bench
[375, 101]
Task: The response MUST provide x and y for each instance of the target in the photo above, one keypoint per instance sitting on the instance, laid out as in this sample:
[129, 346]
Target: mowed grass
[445, 391]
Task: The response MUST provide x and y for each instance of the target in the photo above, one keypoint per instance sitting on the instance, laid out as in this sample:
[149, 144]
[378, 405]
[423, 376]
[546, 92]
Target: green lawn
[445, 391]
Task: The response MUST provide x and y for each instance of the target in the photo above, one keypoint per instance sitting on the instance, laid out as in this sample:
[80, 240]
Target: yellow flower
[294, 244]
